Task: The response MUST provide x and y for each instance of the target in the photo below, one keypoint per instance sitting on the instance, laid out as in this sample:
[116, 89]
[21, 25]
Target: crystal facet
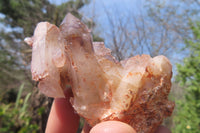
[134, 91]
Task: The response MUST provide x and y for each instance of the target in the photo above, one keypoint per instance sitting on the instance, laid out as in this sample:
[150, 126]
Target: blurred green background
[128, 27]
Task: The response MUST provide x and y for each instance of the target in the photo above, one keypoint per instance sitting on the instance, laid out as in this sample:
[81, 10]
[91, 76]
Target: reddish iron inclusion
[134, 91]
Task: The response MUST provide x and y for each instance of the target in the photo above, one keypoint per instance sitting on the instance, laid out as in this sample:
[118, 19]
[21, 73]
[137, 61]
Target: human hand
[62, 119]
[117, 127]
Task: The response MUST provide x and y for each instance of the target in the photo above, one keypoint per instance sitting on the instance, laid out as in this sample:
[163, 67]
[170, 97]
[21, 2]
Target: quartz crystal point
[134, 91]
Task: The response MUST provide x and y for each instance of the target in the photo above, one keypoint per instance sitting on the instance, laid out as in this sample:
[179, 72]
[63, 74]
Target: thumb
[112, 127]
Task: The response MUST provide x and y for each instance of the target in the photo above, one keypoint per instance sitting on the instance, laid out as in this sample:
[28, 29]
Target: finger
[162, 129]
[112, 127]
[62, 118]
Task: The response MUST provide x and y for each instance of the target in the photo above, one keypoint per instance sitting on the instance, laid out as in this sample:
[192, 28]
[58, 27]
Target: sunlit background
[128, 28]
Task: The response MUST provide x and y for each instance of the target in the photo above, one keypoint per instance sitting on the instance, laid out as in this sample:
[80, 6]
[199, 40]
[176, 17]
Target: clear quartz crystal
[134, 91]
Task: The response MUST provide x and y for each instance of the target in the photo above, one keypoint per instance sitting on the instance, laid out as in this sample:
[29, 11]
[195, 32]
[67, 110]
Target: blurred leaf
[41, 110]
[19, 95]
[187, 118]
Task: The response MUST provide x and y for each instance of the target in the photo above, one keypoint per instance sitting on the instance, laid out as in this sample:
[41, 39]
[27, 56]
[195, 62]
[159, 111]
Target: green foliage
[188, 114]
[15, 117]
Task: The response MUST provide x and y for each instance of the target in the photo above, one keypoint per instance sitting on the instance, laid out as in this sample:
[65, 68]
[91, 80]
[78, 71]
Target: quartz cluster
[134, 91]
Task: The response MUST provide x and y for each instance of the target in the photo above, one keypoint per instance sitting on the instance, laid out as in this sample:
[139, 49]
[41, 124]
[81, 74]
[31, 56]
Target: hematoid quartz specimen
[134, 91]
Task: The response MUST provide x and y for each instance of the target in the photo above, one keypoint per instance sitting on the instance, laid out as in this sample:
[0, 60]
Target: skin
[63, 119]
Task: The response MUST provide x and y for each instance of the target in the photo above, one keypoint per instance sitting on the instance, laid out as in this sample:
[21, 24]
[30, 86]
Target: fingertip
[112, 127]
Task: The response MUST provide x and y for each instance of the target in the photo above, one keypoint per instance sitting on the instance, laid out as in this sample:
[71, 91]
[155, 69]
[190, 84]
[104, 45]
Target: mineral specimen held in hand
[134, 91]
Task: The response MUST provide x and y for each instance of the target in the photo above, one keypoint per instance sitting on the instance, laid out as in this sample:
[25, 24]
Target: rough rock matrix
[134, 91]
